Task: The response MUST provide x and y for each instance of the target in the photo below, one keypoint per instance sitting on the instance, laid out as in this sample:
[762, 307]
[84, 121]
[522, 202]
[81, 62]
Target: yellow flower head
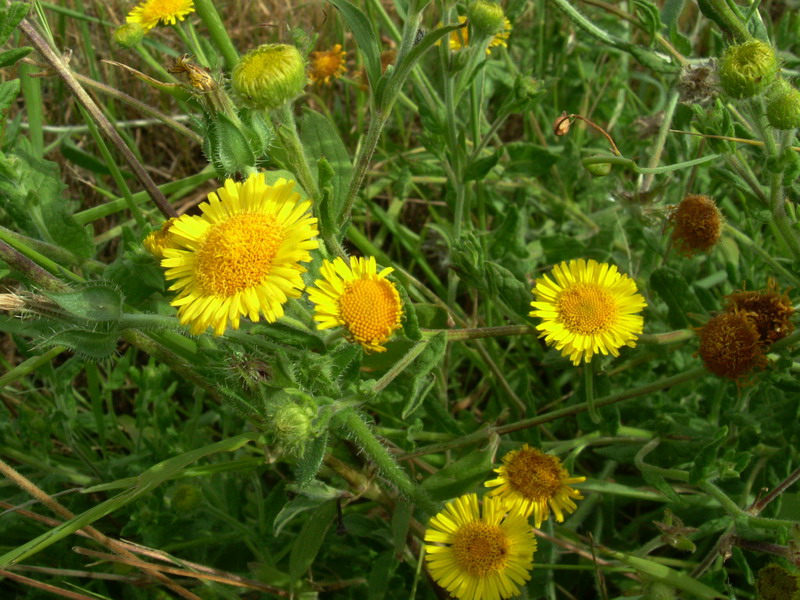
[532, 482]
[478, 556]
[460, 38]
[168, 12]
[360, 299]
[158, 240]
[241, 256]
[589, 308]
[327, 64]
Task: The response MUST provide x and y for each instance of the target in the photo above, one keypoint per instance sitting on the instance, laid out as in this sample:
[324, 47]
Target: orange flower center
[480, 548]
[370, 309]
[534, 475]
[237, 254]
[586, 308]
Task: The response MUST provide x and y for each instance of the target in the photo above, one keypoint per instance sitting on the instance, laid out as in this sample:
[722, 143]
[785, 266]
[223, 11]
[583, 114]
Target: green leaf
[89, 344]
[11, 57]
[10, 18]
[308, 542]
[649, 16]
[669, 576]
[365, 36]
[530, 160]
[706, 459]
[230, 148]
[287, 335]
[321, 139]
[462, 475]
[401, 521]
[423, 365]
[308, 465]
[93, 302]
[657, 481]
[378, 579]
[83, 159]
[674, 290]
[477, 170]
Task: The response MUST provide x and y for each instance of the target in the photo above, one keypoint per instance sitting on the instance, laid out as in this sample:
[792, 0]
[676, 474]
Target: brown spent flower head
[770, 311]
[775, 582]
[730, 346]
[697, 224]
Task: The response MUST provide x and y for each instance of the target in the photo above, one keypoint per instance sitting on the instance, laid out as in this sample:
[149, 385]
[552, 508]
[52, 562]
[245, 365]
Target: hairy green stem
[734, 510]
[351, 425]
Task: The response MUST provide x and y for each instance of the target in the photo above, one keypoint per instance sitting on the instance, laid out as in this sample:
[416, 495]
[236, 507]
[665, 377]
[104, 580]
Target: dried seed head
[697, 224]
[775, 582]
[698, 84]
[770, 310]
[730, 346]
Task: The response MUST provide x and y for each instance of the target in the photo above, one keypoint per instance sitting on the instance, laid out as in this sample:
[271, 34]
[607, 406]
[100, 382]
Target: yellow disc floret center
[480, 548]
[586, 308]
[369, 309]
[237, 254]
[534, 475]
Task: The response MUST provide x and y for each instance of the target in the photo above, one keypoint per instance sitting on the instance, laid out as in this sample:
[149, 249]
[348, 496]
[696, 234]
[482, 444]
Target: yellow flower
[484, 556]
[241, 256]
[360, 299]
[532, 482]
[589, 308]
[150, 12]
[327, 64]
[158, 240]
[460, 38]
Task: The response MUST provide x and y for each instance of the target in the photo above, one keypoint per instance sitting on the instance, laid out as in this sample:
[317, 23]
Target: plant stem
[353, 426]
[58, 64]
[760, 505]
[733, 509]
[588, 384]
[286, 128]
[36, 274]
[486, 432]
[217, 31]
[661, 140]
[461, 335]
[28, 366]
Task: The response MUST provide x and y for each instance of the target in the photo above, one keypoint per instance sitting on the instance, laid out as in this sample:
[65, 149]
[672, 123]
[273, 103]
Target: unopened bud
[128, 35]
[783, 106]
[748, 69]
[486, 18]
[269, 76]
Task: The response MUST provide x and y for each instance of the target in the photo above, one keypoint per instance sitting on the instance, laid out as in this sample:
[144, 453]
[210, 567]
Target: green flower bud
[269, 76]
[486, 18]
[292, 426]
[128, 35]
[783, 106]
[747, 69]
[599, 169]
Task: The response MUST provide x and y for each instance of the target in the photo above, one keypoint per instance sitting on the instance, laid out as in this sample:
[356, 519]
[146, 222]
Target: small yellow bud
[747, 69]
[783, 106]
[129, 35]
[269, 76]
